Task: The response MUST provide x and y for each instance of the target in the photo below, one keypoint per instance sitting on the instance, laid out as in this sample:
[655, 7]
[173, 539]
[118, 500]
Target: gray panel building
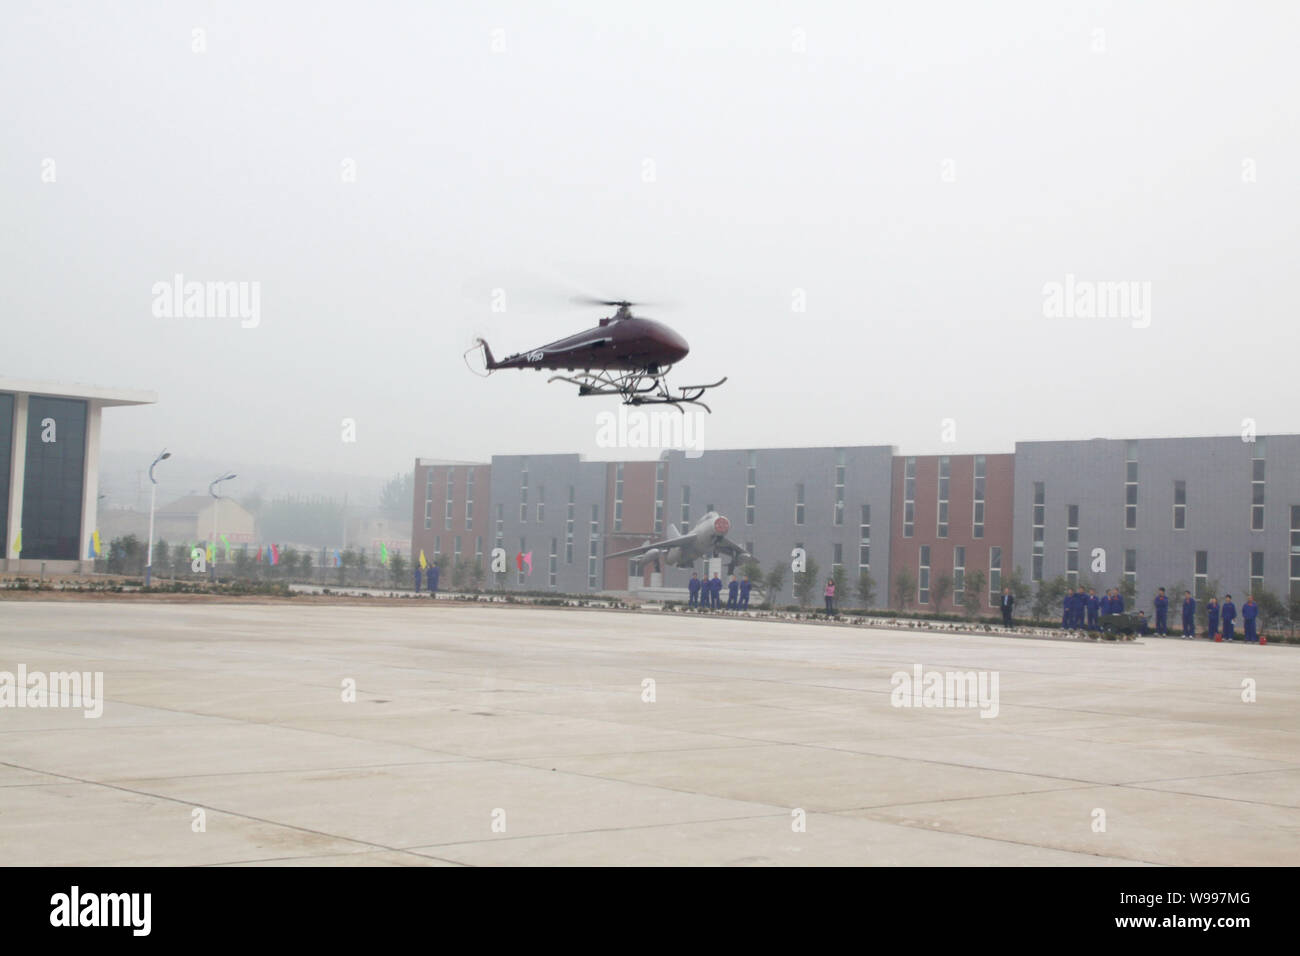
[781, 498]
[1167, 512]
[554, 507]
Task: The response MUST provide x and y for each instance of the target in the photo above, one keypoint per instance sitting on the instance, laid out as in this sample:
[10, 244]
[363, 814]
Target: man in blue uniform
[1067, 609]
[1250, 611]
[1094, 609]
[1229, 616]
[1212, 617]
[744, 593]
[432, 580]
[1189, 616]
[416, 566]
[694, 588]
[1142, 626]
[1117, 602]
[715, 592]
[1162, 612]
[733, 594]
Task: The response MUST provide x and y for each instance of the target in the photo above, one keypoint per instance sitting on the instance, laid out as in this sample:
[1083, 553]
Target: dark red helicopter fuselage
[615, 344]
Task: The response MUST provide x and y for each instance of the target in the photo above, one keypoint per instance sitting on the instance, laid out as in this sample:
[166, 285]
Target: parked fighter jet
[702, 541]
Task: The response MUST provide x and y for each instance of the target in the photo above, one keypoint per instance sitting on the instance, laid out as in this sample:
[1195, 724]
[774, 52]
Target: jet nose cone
[721, 525]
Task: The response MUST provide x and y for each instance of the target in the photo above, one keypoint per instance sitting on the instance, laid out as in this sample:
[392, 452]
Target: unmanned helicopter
[624, 355]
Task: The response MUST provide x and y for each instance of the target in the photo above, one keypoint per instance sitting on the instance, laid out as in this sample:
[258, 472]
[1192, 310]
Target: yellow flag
[423, 563]
[95, 538]
[18, 542]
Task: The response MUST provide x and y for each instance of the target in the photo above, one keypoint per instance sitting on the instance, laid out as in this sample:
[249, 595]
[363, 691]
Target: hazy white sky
[793, 147]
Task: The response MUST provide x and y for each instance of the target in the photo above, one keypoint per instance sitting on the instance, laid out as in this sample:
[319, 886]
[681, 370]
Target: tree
[841, 579]
[1272, 611]
[459, 572]
[942, 588]
[1020, 589]
[866, 588]
[347, 560]
[305, 564]
[397, 568]
[751, 569]
[1129, 592]
[476, 575]
[1049, 596]
[972, 597]
[1207, 590]
[904, 588]
[396, 497]
[805, 581]
[774, 582]
[161, 555]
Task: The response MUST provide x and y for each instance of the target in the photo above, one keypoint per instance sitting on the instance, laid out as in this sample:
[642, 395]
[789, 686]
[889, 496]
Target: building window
[554, 563]
[501, 523]
[523, 491]
[1256, 572]
[519, 572]
[428, 501]
[1072, 545]
[1201, 575]
[1180, 505]
[977, 514]
[798, 503]
[1131, 567]
[437, 546]
[1040, 530]
[618, 497]
[541, 503]
[958, 574]
[751, 488]
[837, 556]
[478, 551]
[945, 476]
[840, 471]
[1257, 486]
[568, 530]
[909, 497]
[923, 576]
[686, 507]
[455, 554]
[469, 501]
[659, 497]
[1131, 486]
[451, 483]
[592, 546]
[995, 576]
[864, 539]
[1295, 553]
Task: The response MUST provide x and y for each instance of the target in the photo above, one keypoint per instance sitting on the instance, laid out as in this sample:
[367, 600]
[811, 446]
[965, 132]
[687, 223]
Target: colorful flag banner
[383, 553]
[275, 554]
[18, 542]
[338, 559]
[226, 542]
[423, 562]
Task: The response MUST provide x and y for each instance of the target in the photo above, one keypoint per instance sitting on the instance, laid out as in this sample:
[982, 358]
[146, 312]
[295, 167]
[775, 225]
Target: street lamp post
[216, 499]
[153, 495]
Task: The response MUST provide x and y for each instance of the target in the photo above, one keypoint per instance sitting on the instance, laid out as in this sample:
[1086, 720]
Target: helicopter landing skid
[637, 388]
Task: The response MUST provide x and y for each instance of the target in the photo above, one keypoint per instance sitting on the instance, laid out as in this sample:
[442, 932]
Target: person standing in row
[1212, 616]
[715, 592]
[1189, 616]
[1162, 613]
[744, 593]
[1229, 615]
[432, 579]
[694, 588]
[416, 565]
[733, 594]
[1008, 605]
[1067, 608]
[1249, 612]
[830, 596]
[1094, 609]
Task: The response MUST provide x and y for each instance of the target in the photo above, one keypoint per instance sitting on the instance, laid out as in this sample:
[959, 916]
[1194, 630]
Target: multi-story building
[1167, 512]
[1161, 512]
[951, 515]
